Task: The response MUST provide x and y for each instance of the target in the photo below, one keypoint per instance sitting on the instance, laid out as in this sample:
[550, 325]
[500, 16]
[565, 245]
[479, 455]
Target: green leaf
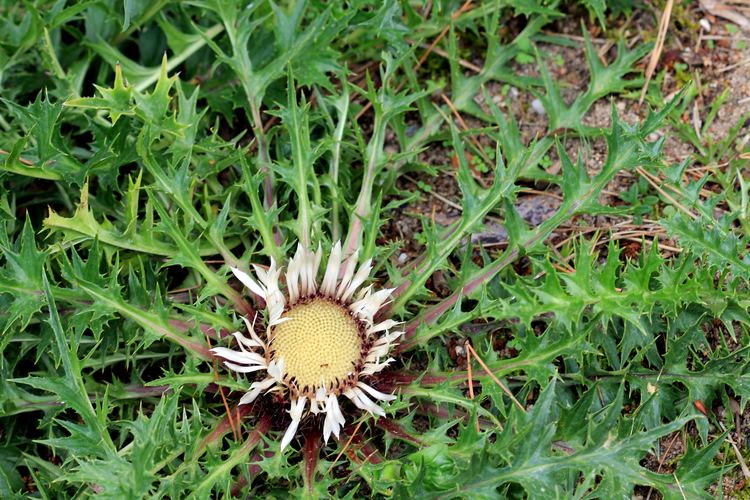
[116, 101]
[20, 282]
[720, 246]
[92, 437]
[84, 226]
[41, 122]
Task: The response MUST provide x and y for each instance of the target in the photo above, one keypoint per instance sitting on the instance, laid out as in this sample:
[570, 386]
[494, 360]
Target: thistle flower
[321, 341]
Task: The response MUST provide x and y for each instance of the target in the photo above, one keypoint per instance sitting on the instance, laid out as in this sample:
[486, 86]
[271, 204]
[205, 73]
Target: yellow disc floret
[320, 343]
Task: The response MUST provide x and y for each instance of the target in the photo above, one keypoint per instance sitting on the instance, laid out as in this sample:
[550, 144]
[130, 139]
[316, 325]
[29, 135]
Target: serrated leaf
[117, 101]
[84, 226]
[21, 280]
[720, 246]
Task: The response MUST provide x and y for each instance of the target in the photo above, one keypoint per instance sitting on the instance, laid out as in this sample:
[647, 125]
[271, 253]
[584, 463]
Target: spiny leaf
[92, 437]
[84, 226]
[117, 101]
[21, 282]
[720, 245]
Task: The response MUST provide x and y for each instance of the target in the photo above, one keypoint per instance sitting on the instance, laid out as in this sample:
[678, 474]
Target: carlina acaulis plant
[321, 341]
[155, 156]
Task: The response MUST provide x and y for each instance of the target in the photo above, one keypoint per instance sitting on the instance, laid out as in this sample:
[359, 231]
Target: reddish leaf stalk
[392, 380]
[372, 454]
[243, 306]
[435, 312]
[224, 426]
[129, 392]
[403, 377]
[195, 347]
[310, 457]
[253, 470]
[443, 414]
[397, 430]
[263, 425]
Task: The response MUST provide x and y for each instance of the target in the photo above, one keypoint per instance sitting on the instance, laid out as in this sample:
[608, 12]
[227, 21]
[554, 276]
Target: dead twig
[743, 465]
[461, 62]
[493, 377]
[235, 429]
[656, 53]
[730, 67]
[471, 381]
[656, 186]
[661, 461]
[346, 446]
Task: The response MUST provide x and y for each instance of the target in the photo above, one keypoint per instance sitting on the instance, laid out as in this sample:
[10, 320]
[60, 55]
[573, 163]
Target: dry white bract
[321, 341]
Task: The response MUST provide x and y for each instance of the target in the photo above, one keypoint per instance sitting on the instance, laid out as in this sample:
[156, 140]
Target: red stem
[403, 377]
[224, 427]
[358, 441]
[253, 470]
[434, 313]
[395, 428]
[310, 457]
[260, 430]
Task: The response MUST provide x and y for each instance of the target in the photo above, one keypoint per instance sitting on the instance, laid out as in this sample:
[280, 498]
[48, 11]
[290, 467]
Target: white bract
[321, 342]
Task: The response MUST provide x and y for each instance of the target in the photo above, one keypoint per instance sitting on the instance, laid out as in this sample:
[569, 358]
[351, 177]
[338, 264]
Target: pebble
[536, 105]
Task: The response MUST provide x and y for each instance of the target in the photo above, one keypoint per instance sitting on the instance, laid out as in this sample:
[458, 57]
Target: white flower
[321, 342]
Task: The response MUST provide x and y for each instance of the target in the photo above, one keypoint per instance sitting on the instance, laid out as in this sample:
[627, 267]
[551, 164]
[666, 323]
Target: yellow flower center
[319, 342]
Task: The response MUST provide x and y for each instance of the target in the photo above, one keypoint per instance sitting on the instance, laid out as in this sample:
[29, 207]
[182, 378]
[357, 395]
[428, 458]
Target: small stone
[536, 105]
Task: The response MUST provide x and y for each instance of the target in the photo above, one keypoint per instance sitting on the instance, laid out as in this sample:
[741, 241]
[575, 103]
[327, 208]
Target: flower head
[321, 341]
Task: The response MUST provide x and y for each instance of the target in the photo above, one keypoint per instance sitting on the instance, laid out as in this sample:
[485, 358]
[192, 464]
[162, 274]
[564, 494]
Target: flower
[321, 341]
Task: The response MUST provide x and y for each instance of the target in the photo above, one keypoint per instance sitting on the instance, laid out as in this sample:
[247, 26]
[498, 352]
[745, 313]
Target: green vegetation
[149, 146]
